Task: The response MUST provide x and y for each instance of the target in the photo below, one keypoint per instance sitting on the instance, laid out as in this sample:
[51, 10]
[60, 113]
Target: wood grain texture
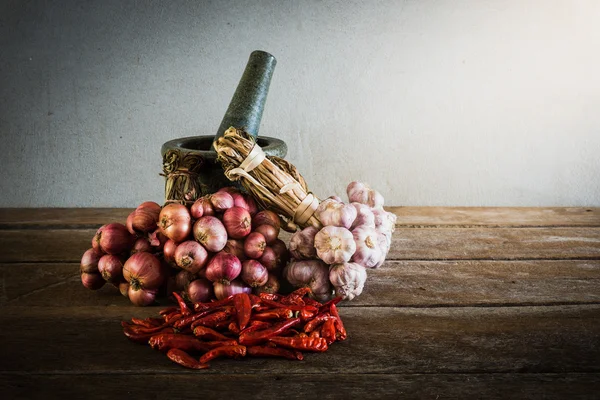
[381, 341]
[50, 245]
[396, 283]
[268, 385]
[60, 218]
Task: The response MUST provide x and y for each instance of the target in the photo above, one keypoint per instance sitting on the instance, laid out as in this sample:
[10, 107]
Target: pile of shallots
[355, 236]
[219, 246]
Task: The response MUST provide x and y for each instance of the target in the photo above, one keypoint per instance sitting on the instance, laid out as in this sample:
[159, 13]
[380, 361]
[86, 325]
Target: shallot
[111, 268]
[269, 232]
[175, 222]
[254, 245]
[191, 256]
[143, 270]
[223, 268]
[89, 261]
[199, 290]
[92, 280]
[113, 238]
[210, 232]
[236, 286]
[141, 297]
[221, 201]
[237, 222]
[254, 273]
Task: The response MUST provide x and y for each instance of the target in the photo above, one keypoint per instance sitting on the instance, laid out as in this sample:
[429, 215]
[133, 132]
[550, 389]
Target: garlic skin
[311, 273]
[334, 244]
[364, 216]
[384, 242]
[302, 243]
[375, 199]
[368, 250]
[348, 279]
[334, 213]
[385, 221]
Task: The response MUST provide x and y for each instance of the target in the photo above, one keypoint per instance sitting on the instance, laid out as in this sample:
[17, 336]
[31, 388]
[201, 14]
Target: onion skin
[113, 238]
[199, 291]
[144, 220]
[175, 222]
[141, 297]
[141, 245]
[111, 268]
[223, 268]
[92, 281]
[235, 247]
[144, 270]
[221, 201]
[266, 217]
[89, 261]
[236, 286]
[254, 273]
[272, 286]
[269, 232]
[254, 245]
[210, 232]
[237, 222]
[191, 256]
[202, 207]
[169, 252]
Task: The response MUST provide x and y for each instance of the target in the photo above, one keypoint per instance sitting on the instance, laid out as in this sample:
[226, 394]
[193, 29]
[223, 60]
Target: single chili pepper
[142, 322]
[307, 314]
[211, 320]
[312, 302]
[143, 337]
[187, 321]
[301, 343]
[215, 304]
[262, 308]
[300, 292]
[293, 307]
[254, 300]
[316, 322]
[327, 305]
[270, 296]
[243, 309]
[183, 307]
[328, 331]
[184, 359]
[256, 326]
[166, 311]
[257, 337]
[315, 334]
[268, 351]
[139, 329]
[293, 301]
[172, 318]
[165, 341]
[234, 328]
[223, 351]
[277, 313]
[339, 325]
[208, 334]
[224, 325]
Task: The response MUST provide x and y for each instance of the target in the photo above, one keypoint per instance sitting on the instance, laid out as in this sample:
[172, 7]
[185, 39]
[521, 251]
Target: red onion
[211, 233]
[252, 207]
[269, 232]
[182, 279]
[229, 189]
[89, 261]
[283, 255]
[235, 247]
[144, 220]
[272, 285]
[111, 268]
[124, 288]
[237, 286]
[175, 222]
[223, 268]
[157, 239]
[142, 297]
[221, 201]
[269, 259]
[202, 207]
[169, 251]
[93, 281]
[266, 217]
[254, 245]
[254, 273]
[237, 222]
[191, 256]
[244, 201]
[143, 270]
[141, 245]
[129, 223]
[199, 291]
[113, 238]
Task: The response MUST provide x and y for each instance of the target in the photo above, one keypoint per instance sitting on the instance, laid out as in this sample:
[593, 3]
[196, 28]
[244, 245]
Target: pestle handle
[248, 102]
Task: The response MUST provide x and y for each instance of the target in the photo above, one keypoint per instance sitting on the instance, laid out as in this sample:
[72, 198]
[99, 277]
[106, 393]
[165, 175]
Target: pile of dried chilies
[268, 325]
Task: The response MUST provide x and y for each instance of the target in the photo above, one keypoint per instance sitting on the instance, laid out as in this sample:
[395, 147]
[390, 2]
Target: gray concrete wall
[432, 102]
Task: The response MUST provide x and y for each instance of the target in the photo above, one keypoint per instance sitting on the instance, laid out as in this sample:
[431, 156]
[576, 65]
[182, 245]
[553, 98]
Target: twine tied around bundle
[182, 178]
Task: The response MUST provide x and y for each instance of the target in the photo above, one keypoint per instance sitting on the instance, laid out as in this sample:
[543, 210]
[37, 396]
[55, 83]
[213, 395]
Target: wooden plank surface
[50, 245]
[192, 385]
[396, 283]
[18, 218]
[549, 339]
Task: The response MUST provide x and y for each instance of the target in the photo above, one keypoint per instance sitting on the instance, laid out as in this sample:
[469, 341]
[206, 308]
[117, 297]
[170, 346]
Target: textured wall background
[432, 102]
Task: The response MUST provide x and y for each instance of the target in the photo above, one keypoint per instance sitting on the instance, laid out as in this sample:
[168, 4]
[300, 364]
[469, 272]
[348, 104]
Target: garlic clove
[302, 243]
[364, 216]
[368, 249]
[333, 213]
[348, 279]
[335, 244]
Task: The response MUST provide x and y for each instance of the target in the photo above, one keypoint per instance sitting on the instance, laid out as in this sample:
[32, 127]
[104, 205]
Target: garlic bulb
[311, 273]
[364, 216]
[360, 193]
[384, 242]
[368, 251]
[335, 244]
[385, 221]
[334, 213]
[302, 243]
[348, 279]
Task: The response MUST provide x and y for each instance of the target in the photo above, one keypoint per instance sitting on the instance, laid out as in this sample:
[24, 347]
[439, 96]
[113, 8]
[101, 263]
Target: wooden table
[472, 303]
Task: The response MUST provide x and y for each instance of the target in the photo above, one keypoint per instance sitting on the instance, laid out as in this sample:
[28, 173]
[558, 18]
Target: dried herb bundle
[275, 184]
[182, 184]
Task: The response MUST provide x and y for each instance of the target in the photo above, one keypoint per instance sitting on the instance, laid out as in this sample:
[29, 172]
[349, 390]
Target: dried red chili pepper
[312, 302]
[254, 300]
[142, 322]
[211, 320]
[257, 337]
[184, 359]
[223, 351]
[270, 296]
[339, 325]
[315, 334]
[293, 307]
[278, 313]
[187, 321]
[328, 331]
[139, 329]
[316, 322]
[215, 304]
[171, 318]
[300, 292]
[243, 309]
[224, 325]
[327, 305]
[268, 351]
[165, 341]
[233, 328]
[301, 343]
[307, 314]
[167, 311]
[144, 337]
[183, 307]
[208, 334]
